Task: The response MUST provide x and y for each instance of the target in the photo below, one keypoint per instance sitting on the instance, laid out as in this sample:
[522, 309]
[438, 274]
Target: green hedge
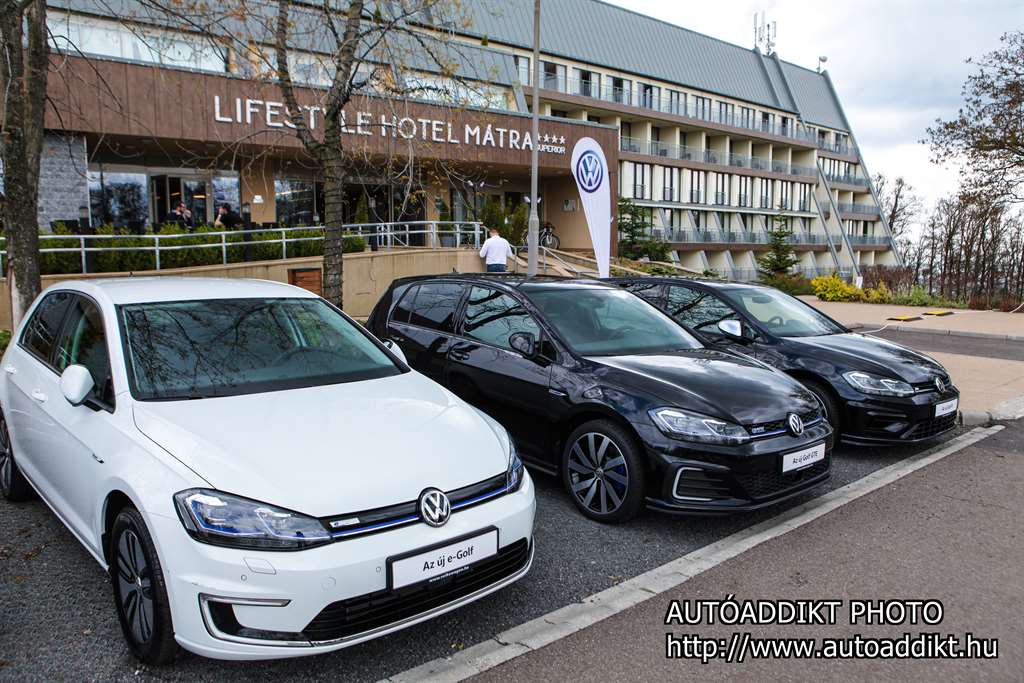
[265, 245]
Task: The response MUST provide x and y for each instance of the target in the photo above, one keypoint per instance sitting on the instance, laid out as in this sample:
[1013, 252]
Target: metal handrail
[387, 236]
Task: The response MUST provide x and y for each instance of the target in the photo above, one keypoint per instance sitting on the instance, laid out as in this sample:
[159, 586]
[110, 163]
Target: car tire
[13, 484]
[603, 472]
[828, 400]
[140, 594]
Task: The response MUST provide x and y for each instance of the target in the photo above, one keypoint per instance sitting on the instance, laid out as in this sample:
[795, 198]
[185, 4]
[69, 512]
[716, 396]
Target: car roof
[155, 289]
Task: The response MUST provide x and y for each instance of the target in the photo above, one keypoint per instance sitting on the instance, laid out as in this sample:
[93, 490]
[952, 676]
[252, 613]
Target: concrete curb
[930, 330]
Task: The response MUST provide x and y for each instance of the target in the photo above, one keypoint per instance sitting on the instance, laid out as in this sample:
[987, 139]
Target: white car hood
[334, 449]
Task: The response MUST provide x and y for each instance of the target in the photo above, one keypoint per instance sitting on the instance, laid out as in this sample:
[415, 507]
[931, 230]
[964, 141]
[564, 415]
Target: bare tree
[987, 135]
[23, 77]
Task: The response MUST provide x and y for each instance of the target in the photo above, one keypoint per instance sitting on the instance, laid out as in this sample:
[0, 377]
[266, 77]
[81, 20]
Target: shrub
[708, 272]
[789, 283]
[5, 339]
[895, 278]
[61, 262]
[656, 268]
[831, 288]
[878, 295]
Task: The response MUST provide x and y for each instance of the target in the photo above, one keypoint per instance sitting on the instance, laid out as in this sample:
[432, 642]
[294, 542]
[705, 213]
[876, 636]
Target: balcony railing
[847, 179]
[668, 194]
[743, 200]
[665, 103]
[847, 207]
[746, 237]
[784, 204]
[709, 156]
[639, 191]
[837, 148]
[766, 202]
[693, 236]
[868, 239]
[721, 199]
[696, 197]
[806, 238]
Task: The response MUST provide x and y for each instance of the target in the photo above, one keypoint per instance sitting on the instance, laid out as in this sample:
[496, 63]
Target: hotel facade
[716, 143]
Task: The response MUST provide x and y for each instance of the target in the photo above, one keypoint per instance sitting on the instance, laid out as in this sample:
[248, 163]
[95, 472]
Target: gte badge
[435, 509]
[589, 171]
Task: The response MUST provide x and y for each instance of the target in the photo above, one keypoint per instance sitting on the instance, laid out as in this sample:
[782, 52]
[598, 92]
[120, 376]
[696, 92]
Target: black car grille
[766, 484]
[701, 485]
[932, 426]
[764, 429]
[364, 613]
[382, 519]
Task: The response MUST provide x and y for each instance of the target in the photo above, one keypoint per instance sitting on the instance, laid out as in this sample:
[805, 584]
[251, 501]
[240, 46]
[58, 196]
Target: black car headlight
[223, 519]
[688, 426]
[514, 476]
[867, 383]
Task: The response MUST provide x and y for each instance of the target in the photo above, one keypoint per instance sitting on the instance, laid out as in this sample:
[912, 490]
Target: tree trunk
[23, 75]
[333, 164]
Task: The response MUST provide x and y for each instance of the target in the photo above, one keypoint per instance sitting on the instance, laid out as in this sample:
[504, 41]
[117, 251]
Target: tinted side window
[84, 342]
[651, 292]
[698, 310]
[435, 306]
[403, 308]
[41, 331]
[493, 317]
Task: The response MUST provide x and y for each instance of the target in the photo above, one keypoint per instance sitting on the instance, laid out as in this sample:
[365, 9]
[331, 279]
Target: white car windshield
[601, 321]
[781, 314]
[226, 347]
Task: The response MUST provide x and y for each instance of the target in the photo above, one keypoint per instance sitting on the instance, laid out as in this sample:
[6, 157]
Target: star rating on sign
[546, 138]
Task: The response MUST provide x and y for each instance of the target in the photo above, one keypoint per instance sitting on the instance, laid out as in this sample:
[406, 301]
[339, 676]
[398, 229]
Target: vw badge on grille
[435, 509]
[796, 425]
[940, 386]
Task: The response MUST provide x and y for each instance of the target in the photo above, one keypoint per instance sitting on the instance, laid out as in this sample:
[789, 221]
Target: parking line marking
[544, 630]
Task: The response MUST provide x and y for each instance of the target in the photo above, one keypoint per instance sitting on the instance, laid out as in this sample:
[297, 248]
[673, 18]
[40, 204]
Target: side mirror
[396, 350]
[732, 329]
[76, 384]
[524, 342]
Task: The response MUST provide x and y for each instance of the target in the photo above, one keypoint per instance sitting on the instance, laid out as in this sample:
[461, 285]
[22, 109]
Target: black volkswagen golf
[600, 387]
[874, 391]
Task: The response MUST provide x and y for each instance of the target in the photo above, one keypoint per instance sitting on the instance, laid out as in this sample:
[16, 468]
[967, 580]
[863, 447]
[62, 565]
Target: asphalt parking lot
[57, 620]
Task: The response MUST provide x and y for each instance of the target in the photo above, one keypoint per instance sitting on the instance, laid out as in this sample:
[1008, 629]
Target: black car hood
[714, 383]
[871, 354]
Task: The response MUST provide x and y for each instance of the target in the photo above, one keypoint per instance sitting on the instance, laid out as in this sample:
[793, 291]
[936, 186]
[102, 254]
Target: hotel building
[717, 143]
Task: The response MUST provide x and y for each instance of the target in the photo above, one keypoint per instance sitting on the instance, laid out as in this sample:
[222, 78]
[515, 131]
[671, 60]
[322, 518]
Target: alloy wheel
[598, 474]
[6, 459]
[135, 586]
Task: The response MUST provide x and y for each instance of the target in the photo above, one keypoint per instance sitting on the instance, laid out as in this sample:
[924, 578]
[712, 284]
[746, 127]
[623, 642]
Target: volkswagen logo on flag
[940, 386]
[796, 425]
[435, 509]
[589, 171]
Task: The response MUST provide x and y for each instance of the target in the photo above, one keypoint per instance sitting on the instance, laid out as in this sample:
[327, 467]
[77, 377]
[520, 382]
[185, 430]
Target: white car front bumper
[275, 595]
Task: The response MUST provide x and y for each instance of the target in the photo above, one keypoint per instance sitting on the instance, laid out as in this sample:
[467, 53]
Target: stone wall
[63, 179]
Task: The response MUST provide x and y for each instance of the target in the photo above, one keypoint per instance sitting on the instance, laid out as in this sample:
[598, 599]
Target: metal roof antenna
[765, 33]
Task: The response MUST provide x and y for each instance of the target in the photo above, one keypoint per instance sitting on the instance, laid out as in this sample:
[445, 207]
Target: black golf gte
[600, 387]
[874, 391]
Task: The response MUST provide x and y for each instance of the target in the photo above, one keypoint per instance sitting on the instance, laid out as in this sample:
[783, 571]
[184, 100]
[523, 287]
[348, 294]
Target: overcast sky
[896, 65]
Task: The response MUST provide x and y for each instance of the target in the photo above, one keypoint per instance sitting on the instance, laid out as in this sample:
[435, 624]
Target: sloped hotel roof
[602, 34]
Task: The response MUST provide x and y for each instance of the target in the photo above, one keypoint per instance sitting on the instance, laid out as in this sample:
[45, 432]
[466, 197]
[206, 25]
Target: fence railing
[710, 156]
[434, 234]
[868, 239]
[849, 207]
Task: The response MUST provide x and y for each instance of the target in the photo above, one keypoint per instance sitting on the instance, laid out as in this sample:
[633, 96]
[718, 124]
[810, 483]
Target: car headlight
[696, 427]
[878, 385]
[223, 519]
[515, 468]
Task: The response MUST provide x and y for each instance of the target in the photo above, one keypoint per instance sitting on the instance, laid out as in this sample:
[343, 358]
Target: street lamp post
[533, 229]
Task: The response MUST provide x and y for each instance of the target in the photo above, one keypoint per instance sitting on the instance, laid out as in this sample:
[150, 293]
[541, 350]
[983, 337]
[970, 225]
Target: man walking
[496, 252]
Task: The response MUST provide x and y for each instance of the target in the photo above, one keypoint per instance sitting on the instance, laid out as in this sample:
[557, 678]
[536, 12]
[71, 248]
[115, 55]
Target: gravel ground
[57, 620]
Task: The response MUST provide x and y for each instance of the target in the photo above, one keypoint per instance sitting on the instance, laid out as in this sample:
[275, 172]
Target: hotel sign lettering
[249, 112]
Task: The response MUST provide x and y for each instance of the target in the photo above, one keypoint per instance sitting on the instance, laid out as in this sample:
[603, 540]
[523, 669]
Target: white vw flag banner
[590, 169]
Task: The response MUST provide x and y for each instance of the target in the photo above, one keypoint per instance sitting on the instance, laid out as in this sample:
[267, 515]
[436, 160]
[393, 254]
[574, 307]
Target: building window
[295, 202]
[621, 91]
[726, 113]
[743, 198]
[747, 117]
[552, 76]
[784, 189]
[677, 102]
[701, 107]
[767, 122]
[119, 199]
[766, 193]
[697, 187]
[698, 220]
[586, 83]
[641, 180]
[226, 191]
[560, 113]
[804, 191]
[669, 190]
[593, 119]
[523, 70]
[650, 96]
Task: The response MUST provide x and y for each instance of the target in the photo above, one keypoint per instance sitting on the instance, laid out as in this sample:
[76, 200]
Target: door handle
[460, 355]
[397, 338]
[10, 369]
[38, 395]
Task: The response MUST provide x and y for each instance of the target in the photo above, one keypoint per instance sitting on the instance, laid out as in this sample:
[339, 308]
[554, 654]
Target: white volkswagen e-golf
[262, 477]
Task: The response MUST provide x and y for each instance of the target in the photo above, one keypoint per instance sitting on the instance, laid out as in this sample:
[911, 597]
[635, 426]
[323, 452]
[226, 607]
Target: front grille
[775, 427]
[392, 516]
[766, 484]
[702, 485]
[929, 386]
[364, 613]
[932, 426]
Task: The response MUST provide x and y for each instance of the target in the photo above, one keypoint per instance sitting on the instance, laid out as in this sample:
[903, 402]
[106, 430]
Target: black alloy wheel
[830, 406]
[140, 595]
[603, 472]
[13, 484]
